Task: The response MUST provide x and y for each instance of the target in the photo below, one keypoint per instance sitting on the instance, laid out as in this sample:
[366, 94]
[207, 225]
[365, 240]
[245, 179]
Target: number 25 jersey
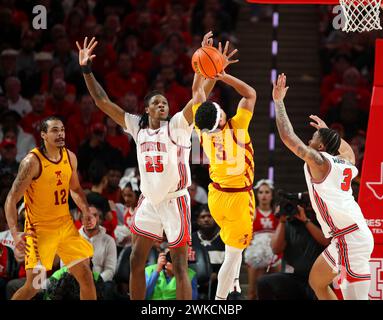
[46, 198]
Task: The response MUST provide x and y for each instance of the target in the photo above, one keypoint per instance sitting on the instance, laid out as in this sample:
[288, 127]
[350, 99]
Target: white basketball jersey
[163, 156]
[332, 198]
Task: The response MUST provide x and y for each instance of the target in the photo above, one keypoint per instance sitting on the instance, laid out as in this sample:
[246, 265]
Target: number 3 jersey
[332, 198]
[46, 198]
[163, 156]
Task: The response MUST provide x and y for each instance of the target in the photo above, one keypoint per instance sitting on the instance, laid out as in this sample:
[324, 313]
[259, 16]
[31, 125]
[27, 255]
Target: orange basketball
[207, 61]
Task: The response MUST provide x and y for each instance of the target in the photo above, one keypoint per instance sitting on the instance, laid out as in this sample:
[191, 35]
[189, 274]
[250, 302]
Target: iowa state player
[45, 178]
[163, 148]
[329, 169]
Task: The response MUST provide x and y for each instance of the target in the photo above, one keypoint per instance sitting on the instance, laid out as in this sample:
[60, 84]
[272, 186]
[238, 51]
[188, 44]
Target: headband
[218, 117]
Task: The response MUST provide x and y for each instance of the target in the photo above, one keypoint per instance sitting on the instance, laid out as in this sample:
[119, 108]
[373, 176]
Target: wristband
[87, 68]
[307, 221]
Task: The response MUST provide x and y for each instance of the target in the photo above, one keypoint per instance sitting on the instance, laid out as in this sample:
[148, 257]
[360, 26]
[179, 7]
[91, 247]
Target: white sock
[228, 271]
[356, 290]
[236, 286]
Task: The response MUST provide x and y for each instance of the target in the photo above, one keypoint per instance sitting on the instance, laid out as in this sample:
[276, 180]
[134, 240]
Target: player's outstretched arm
[29, 168]
[247, 92]
[96, 91]
[286, 132]
[345, 150]
[76, 191]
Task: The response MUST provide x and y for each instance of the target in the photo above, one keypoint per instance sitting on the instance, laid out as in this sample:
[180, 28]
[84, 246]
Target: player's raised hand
[207, 40]
[279, 88]
[226, 54]
[85, 53]
[318, 122]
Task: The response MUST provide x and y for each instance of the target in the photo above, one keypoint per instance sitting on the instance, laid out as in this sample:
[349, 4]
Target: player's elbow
[252, 94]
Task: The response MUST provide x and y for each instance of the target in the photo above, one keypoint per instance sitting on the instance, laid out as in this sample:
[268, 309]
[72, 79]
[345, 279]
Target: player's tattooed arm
[29, 168]
[98, 94]
[286, 130]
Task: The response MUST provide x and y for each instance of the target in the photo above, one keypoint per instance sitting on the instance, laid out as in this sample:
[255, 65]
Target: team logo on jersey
[59, 178]
[376, 187]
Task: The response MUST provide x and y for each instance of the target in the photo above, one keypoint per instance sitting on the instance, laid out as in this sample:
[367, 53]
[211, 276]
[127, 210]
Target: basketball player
[329, 169]
[227, 145]
[45, 178]
[163, 148]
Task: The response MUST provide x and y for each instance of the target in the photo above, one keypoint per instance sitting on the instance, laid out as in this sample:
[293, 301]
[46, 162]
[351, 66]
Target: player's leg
[176, 219]
[76, 252]
[84, 276]
[180, 269]
[146, 228]
[31, 286]
[236, 233]
[40, 250]
[321, 276]
[138, 257]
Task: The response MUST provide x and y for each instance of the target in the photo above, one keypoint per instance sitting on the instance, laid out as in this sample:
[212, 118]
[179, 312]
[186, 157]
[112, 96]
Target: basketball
[207, 61]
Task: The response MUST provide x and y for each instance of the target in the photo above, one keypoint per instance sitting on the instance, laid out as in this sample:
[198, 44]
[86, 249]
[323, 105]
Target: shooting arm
[201, 89]
[247, 92]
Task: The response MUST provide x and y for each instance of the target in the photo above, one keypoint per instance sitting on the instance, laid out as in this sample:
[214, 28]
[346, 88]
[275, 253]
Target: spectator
[160, 280]
[11, 129]
[26, 64]
[63, 286]
[8, 152]
[116, 137]
[112, 191]
[15, 100]
[130, 194]
[208, 237]
[259, 256]
[81, 122]
[57, 104]
[123, 79]
[31, 122]
[96, 148]
[8, 60]
[104, 258]
[301, 241]
[64, 55]
[39, 81]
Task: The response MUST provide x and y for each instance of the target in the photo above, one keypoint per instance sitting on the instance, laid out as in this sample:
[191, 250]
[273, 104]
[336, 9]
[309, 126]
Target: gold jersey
[230, 152]
[46, 199]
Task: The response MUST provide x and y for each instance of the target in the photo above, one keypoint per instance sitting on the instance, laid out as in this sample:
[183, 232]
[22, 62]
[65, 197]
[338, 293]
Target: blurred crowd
[143, 45]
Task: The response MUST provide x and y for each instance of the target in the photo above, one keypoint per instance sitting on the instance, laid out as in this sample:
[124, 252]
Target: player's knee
[314, 281]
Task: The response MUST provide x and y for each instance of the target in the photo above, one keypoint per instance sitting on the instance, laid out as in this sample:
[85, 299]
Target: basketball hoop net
[361, 15]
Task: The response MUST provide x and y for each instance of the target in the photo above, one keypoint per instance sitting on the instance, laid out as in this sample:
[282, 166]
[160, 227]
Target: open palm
[280, 89]
[85, 53]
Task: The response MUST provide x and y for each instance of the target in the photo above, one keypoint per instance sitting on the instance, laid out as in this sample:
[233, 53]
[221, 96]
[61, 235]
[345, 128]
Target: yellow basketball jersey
[230, 152]
[46, 198]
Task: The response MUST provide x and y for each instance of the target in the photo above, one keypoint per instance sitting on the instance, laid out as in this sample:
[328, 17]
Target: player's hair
[331, 140]
[206, 116]
[144, 121]
[44, 126]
